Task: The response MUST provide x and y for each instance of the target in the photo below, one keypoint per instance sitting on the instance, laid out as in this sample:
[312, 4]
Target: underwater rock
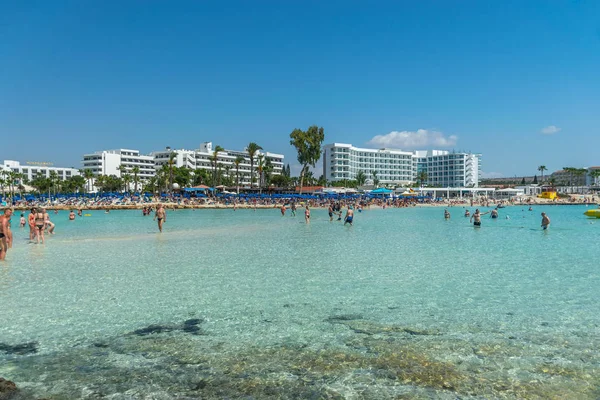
[343, 317]
[359, 325]
[7, 389]
[20, 349]
[151, 329]
[188, 326]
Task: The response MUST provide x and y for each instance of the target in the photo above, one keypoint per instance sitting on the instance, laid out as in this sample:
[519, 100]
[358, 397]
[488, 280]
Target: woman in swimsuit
[40, 224]
[307, 215]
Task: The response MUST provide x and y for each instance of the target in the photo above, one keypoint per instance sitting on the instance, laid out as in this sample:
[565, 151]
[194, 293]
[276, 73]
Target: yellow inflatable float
[593, 213]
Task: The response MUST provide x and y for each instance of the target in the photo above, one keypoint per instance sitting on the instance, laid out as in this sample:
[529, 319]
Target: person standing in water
[161, 215]
[31, 222]
[494, 213]
[5, 234]
[545, 221]
[307, 214]
[349, 216]
[49, 224]
[40, 225]
[293, 214]
[330, 211]
[282, 210]
[446, 214]
[476, 218]
[71, 216]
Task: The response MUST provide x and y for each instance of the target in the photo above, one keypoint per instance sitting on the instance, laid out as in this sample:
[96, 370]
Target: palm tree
[219, 169]
[422, 177]
[542, 168]
[261, 168]
[126, 181]
[88, 175]
[375, 179]
[171, 163]
[361, 178]
[238, 160]
[54, 180]
[136, 171]
[252, 149]
[214, 159]
[595, 174]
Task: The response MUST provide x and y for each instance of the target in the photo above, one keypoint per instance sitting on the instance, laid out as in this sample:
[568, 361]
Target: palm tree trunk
[302, 178]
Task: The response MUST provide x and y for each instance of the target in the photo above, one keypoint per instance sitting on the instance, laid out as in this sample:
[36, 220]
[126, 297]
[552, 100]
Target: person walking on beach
[476, 218]
[161, 215]
[307, 214]
[349, 216]
[5, 234]
[545, 221]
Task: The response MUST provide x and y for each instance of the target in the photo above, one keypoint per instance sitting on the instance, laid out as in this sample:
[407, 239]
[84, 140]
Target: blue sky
[516, 81]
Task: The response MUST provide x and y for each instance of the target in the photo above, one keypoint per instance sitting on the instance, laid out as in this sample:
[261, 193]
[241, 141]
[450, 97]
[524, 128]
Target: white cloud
[491, 175]
[413, 140]
[550, 130]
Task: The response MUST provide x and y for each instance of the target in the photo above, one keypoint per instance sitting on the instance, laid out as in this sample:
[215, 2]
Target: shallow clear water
[403, 303]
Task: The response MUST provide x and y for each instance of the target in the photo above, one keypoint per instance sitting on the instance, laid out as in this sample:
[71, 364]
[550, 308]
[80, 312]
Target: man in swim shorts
[476, 218]
[349, 216]
[161, 215]
[330, 211]
[545, 221]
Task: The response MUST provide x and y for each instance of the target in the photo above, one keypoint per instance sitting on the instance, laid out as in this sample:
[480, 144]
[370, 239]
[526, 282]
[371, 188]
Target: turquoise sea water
[249, 304]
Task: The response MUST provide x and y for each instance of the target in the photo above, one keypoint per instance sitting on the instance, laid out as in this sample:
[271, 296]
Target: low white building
[32, 170]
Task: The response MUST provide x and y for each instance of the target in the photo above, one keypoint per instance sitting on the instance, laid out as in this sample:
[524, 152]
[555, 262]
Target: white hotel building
[33, 170]
[107, 162]
[201, 159]
[444, 169]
